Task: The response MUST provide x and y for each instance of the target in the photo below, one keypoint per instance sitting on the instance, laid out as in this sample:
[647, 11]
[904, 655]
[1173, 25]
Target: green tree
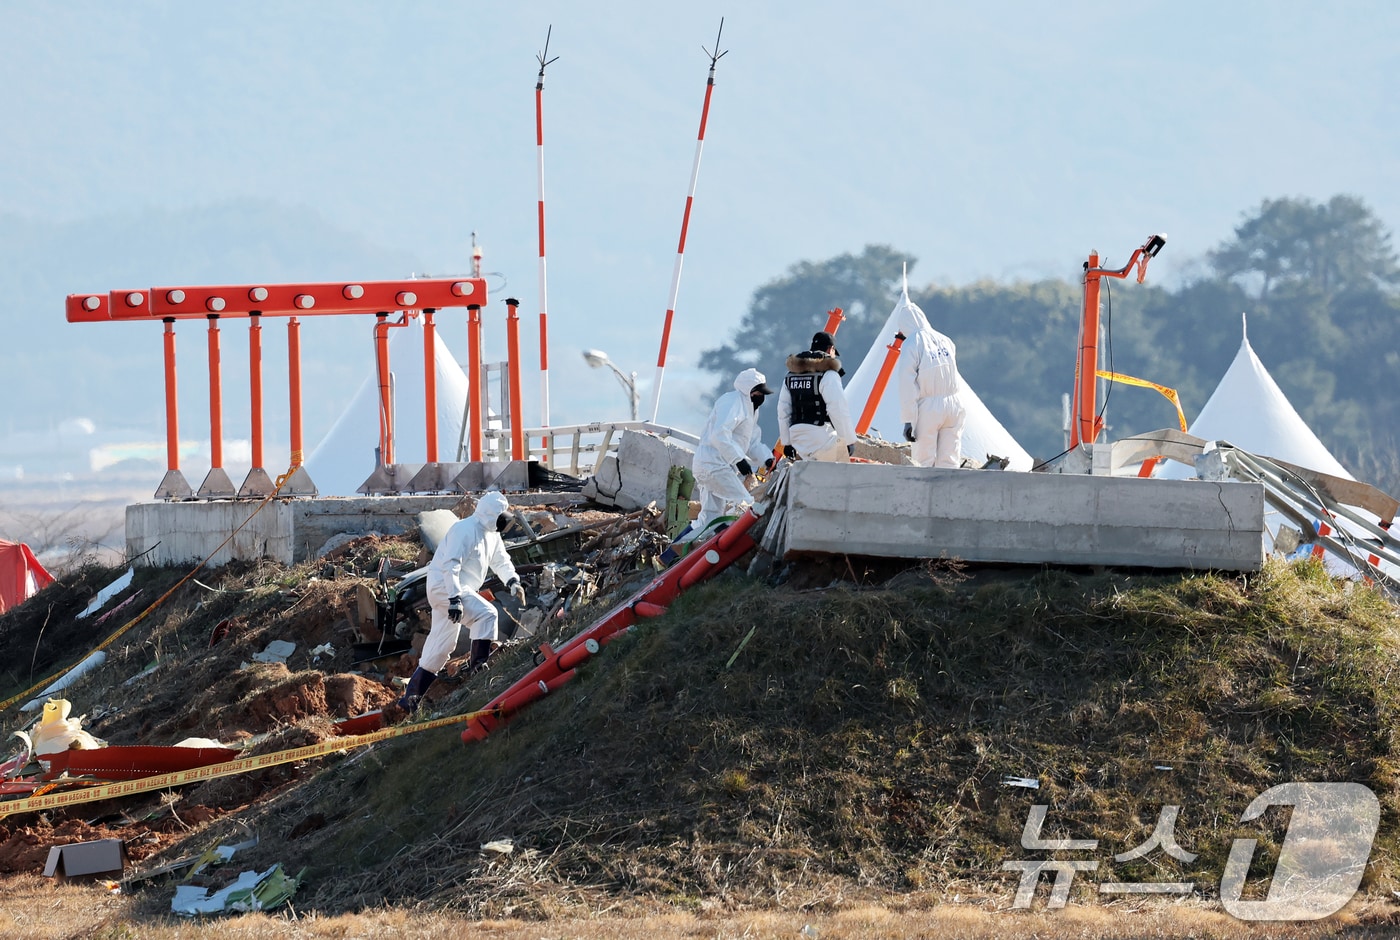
[785, 312]
[1321, 248]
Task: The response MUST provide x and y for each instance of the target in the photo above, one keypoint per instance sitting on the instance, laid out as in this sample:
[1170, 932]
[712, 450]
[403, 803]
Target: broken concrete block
[882, 451]
[637, 475]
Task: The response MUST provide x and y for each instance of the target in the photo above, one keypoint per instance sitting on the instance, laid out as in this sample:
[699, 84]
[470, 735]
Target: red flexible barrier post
[881, 380]
[172, 403]
[708, 559]
[430, 383]
[517, 410]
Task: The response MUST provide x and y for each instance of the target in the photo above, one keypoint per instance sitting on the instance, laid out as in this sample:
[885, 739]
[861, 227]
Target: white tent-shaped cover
[1249, 410]
[344, 459]
[983, 434]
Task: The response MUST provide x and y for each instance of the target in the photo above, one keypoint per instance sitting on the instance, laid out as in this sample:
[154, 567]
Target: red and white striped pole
[544, 60]
[685, 222]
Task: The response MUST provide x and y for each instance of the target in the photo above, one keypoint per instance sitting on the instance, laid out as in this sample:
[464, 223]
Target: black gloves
[770, 463]
[908, 431]
[503, 522]
[850, 450]
[744, 467]
[789, 452]
[454, 609]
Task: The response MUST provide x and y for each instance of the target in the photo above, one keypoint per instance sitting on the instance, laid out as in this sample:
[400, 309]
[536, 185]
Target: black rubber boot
[417, 684]
[481, 649]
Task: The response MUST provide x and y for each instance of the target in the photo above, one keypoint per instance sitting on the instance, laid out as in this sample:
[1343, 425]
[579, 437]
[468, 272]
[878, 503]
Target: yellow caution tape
[227, 769]
[45, 683]
[1168, 393]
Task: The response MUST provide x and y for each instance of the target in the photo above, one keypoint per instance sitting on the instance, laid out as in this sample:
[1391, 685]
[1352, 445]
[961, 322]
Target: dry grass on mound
[809, 751]
[38, 910]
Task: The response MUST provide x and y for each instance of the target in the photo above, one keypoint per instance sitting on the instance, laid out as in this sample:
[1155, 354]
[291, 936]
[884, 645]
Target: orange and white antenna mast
[685, 222]
[544, 60]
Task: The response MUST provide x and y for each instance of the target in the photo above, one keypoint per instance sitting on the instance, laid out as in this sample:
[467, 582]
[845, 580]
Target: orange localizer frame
[169, 304]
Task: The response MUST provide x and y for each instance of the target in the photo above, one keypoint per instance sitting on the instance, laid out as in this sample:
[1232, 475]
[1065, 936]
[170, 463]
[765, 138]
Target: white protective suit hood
[745, 381]
[489, 509]
[908, 318]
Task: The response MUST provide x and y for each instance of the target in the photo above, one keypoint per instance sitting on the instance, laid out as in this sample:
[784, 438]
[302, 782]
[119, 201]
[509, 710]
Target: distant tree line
[1320, 283]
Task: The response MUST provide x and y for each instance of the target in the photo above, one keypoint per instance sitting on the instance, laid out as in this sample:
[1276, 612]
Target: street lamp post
[597, 359]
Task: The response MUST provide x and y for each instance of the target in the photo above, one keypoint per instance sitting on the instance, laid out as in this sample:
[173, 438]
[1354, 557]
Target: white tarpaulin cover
[344, 458]
[982, 432]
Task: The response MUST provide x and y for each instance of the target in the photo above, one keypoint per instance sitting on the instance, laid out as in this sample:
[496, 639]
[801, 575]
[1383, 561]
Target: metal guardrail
[578, 449]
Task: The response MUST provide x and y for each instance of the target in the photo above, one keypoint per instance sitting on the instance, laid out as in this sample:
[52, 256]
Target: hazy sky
[991, 140]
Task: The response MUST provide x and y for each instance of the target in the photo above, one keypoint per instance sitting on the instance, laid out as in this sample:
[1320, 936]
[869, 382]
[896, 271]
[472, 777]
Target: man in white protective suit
[730, 448]
[471, 547]
[929, 404]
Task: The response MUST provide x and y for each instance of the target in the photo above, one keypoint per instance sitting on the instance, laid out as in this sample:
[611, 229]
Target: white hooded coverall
[928, 389]
[731, 434]
[458, 569]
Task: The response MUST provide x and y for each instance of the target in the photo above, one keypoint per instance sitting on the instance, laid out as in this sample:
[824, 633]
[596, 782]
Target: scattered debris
[252, 891]
[276, 652]
[107, 593]
[57, 732]
[67, 679]
[220, 854]
[1030, 783]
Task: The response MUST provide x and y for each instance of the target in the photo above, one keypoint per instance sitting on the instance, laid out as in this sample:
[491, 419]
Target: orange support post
[882, 379]
[834, 316]
[1085, 423]
[517, 410]
[430, 383]
[294, 387]
[172, 405]
[255, 386]
[1085, 427]
[473, 376]
[381, 362]
[216, 398]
